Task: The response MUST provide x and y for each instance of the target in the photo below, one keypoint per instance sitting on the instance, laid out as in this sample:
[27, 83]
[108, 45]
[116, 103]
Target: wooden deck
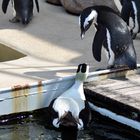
[116, 93]
[125, 90]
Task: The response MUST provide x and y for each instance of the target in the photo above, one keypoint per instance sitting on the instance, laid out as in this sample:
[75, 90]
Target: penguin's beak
[82, 35]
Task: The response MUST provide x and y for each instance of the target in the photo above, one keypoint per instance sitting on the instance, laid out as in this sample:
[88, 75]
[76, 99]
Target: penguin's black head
[86, 18]
[68, 127]
[68, 130]
[69, 133]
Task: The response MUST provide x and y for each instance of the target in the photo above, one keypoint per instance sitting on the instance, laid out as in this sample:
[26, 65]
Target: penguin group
[70, 111]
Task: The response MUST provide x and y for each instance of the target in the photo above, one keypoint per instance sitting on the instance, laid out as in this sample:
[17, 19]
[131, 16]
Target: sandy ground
[51, 43]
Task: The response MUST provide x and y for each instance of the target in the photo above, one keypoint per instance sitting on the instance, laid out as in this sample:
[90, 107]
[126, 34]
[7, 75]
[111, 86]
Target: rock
[56, 2]
[76, 6]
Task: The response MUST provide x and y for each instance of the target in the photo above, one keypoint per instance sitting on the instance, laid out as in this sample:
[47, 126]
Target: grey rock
[76, 6]
[56, 2]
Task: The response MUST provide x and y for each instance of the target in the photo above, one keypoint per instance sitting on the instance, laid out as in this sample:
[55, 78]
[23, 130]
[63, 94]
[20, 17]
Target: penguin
[113, 33]
[23, 10]
[70, 111]
[131, 8]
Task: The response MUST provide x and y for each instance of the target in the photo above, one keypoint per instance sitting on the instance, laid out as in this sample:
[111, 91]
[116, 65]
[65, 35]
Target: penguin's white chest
[111, 55]
[65, 104]
[13, 6]
[75, 92]
[72, 100]
[136, 26]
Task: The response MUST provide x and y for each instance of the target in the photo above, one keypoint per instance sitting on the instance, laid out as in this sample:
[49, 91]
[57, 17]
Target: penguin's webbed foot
[120, 67]
[14, 20]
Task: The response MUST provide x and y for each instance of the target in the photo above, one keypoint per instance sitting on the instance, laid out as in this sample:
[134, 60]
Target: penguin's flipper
[5, 5]
[99, 38]
[37, 5]
[126, 10]
[14, 20]
[86, 115]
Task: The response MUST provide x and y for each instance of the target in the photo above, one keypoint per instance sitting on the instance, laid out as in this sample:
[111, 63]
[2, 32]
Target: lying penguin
[131, 8]
[113, 33]
[23, 10]
[70, 111]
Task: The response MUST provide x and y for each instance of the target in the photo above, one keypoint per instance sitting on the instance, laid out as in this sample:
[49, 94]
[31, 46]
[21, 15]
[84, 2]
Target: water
[7, 53]
[32, 128]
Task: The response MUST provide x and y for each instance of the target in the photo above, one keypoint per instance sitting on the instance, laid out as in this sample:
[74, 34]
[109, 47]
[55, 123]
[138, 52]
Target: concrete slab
[51, 43]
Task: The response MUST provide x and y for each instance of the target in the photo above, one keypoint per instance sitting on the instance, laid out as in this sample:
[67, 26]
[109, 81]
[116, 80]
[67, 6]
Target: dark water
[32, 128]
[11, 54]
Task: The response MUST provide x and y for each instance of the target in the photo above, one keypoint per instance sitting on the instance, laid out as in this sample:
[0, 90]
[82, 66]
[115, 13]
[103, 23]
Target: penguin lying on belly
[112, 32]
[70, 111]
[131, 8]
[23, 10]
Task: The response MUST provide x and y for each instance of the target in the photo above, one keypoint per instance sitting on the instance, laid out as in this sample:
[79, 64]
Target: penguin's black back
[117, 27]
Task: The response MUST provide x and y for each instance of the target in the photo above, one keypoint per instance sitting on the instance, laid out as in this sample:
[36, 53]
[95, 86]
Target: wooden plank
[125, 90]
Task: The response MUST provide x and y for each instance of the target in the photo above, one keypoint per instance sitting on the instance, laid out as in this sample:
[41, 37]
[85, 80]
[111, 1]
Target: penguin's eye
[88, 25]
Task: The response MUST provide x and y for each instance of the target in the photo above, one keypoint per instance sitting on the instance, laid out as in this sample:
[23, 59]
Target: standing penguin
[112, 32]
[70, 111]
[23, 10]
[131, 8]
